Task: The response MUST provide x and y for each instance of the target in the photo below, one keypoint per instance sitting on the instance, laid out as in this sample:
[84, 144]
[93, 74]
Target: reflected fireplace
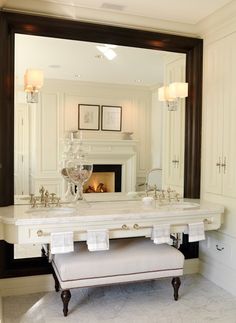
[104, 179]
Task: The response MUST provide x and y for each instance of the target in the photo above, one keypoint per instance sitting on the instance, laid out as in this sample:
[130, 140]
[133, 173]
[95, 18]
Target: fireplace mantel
[122, 152]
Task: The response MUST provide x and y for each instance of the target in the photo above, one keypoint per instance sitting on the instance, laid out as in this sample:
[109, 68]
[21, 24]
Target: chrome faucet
[45, 199]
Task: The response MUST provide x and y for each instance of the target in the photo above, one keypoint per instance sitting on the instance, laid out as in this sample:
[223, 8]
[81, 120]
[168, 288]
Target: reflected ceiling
[77, 60]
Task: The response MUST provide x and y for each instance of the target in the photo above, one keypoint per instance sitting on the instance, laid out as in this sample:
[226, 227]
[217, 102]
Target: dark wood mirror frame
[11, 23]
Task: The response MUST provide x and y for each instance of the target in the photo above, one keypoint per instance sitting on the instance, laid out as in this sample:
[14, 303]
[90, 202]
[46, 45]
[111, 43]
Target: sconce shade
[178, 90]
[163, 93]
[33, 80]
[172, 94]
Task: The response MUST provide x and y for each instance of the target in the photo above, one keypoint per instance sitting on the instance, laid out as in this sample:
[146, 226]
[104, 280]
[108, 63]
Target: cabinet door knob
[136, 226]
[124, 227]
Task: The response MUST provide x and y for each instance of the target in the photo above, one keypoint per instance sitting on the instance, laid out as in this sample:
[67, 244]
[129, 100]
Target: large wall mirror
[80, 80]
[69, 84]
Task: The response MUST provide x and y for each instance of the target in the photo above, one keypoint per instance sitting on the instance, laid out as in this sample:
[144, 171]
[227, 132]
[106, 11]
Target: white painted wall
[219, 265]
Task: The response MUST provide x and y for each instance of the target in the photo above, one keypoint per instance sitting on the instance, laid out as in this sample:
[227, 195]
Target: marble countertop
[105, 207]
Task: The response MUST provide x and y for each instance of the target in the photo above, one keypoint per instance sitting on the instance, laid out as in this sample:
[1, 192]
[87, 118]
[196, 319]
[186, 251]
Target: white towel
[161, 234]
[98, 240]
[62, 242]
[196, 231]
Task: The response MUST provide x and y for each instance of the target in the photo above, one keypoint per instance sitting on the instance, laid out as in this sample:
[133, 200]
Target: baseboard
[219, 274]
[26, 285]
[1, 315]
[45, 283]
[191, 266]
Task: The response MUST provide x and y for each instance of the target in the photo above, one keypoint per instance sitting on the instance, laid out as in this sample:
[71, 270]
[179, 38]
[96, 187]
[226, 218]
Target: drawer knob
[136, 226]
[125, 227]
[39, 233]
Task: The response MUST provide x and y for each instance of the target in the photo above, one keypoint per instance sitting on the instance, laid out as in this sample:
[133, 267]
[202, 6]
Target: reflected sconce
[172, 94]
[33, 81]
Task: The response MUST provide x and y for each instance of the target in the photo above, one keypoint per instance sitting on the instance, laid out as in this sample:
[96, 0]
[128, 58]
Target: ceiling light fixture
[54, 66]
[107, 51]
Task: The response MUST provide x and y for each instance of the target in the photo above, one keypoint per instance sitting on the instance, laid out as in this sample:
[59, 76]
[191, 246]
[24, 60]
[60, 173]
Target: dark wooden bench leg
[65, 296]
[57, 285]
[176, 284]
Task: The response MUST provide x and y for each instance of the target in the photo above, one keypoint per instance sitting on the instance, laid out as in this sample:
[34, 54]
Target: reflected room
[105, 98]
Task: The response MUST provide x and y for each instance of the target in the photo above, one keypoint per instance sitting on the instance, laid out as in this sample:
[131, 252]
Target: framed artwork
[111, 118]
[89, 115]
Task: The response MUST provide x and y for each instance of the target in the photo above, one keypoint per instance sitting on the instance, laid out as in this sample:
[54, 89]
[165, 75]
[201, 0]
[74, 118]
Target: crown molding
[107, 17]
[213, 26]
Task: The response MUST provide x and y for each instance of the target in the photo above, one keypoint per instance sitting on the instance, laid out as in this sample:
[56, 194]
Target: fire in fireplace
[105, 178]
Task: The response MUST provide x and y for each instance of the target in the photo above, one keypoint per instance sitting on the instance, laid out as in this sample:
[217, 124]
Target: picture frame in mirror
[88, 117]
[111, 118]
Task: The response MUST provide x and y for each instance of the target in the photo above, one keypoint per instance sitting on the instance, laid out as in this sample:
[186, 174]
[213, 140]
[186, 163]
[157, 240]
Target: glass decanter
[68, 154]
[79, 171]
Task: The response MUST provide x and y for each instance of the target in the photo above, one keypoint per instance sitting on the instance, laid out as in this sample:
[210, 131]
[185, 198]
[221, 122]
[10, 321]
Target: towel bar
[136, 226]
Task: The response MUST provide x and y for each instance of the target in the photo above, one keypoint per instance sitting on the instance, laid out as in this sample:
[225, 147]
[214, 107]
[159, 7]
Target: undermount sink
[184, 205]
[64, 210]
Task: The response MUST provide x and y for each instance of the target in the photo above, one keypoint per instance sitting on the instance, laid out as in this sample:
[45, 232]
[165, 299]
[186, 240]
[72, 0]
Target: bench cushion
[126, 257]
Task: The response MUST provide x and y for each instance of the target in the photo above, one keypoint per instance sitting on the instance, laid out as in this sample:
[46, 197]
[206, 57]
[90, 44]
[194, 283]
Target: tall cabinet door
[173, 135]
[229, 139]
[213, 119]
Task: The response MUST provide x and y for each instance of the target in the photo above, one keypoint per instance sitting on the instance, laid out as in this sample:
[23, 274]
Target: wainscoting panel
[218, 261]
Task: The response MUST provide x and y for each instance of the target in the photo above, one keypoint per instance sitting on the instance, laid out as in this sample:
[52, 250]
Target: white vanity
[121, 215]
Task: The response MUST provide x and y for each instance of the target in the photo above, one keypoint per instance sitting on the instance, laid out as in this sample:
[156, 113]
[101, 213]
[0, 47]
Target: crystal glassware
[70, 193]
[79, 171]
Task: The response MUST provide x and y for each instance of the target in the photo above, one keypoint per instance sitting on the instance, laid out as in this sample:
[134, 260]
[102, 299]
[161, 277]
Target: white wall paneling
[49, 132]
[44, 162]
[217, 260]
[220, 115]
[173, 131]
[218, 182]
[21, 158]
[156, 131]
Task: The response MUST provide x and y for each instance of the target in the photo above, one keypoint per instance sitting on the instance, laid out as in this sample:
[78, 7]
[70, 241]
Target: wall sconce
[33, 80]
[172, 93]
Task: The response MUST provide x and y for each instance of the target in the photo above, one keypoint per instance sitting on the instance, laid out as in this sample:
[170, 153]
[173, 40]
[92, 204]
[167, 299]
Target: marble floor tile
[145, 302]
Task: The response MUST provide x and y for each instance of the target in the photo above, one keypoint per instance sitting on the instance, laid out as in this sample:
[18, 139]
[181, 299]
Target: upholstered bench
[127, 260]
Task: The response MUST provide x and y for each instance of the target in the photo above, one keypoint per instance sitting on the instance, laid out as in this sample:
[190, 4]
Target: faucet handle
[177, 196]
[31, 198]
[53, 195]
[34, 201]
[58, 201]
